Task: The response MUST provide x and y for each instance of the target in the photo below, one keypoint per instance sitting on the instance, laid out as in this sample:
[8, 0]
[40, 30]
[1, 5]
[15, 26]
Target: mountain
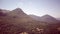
[17, 12]
[16, 21]
[46, 18]
[18, 15]
[49, 18]
[53, 23]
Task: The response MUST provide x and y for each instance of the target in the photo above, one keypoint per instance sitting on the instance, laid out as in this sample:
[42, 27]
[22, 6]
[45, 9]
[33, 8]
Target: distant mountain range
[45, 18]
[16, 21]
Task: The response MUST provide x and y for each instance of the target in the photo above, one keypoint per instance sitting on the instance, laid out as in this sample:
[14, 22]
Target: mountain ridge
[45, 18]
[16, 22]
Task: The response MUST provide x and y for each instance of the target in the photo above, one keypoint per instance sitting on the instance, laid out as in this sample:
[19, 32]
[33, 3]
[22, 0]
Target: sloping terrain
[46, 18]
[53, 23]
[16, 21]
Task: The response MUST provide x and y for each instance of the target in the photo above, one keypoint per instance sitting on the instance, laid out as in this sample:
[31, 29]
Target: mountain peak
[17, 12]
[18, 9]
[47, 16]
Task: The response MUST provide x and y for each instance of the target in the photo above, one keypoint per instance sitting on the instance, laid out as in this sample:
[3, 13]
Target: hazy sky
[36, 7]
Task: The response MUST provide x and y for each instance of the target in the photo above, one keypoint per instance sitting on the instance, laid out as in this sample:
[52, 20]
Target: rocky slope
[16, 21]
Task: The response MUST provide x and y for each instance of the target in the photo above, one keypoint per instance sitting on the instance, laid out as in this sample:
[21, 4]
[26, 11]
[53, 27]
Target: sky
[36, 7]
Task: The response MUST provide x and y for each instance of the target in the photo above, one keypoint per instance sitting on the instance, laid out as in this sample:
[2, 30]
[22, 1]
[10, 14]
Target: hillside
[46, 18]
[53, 23]
[16, 21]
